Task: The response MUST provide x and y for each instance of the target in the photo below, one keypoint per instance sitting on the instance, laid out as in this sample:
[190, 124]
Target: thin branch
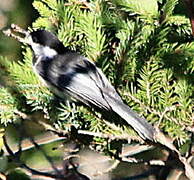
[89, 133]
[35, 172]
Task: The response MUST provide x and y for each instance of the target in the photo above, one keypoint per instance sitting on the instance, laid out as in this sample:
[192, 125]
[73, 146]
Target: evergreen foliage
[144, 49]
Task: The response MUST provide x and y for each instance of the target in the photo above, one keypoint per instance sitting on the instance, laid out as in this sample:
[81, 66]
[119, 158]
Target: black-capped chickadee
[68, 73]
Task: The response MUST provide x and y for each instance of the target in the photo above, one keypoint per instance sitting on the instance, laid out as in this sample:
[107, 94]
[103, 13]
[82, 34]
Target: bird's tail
[139, 124]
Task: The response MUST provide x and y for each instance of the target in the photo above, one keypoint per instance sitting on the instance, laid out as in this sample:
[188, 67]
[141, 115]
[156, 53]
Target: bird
[67, 73]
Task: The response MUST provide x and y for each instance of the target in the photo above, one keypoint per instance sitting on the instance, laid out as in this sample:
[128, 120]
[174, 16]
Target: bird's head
[42, 42]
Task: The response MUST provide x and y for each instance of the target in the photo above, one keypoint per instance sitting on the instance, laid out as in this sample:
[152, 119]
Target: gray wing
[89, 85]
[94, 88]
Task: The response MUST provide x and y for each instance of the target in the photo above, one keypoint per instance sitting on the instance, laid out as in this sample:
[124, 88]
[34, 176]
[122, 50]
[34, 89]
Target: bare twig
[16, 28]
[89, 133]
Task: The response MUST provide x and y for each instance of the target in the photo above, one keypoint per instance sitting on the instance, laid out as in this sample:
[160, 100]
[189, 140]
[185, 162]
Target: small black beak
[17, 29]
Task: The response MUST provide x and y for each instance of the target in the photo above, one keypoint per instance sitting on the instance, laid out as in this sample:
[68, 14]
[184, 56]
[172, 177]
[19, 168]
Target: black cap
[47, 38]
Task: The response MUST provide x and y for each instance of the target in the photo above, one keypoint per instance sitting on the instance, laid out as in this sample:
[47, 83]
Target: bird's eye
[35, 39]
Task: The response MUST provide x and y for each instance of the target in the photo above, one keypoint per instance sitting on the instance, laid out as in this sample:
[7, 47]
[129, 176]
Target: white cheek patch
[40, 50]
[43, 51]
